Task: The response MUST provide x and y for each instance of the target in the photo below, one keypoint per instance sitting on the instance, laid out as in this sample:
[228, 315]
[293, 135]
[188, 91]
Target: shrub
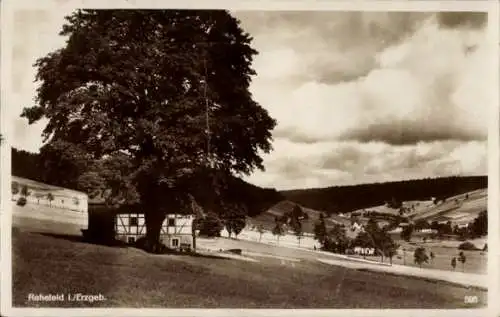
[467, 246]
[21, 201]
[210, 226]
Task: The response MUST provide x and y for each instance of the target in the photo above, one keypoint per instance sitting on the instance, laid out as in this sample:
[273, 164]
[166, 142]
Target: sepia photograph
[252, 159]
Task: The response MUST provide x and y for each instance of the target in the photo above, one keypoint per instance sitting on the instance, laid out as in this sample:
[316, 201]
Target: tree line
[341, 199]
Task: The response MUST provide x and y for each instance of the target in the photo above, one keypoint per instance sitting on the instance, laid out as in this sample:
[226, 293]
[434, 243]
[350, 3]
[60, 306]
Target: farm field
[44, 252]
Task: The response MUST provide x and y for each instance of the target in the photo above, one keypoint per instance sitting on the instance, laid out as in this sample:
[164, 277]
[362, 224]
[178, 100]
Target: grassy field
[476, 261]
[266, 219]
[476, 202]
[45, 262]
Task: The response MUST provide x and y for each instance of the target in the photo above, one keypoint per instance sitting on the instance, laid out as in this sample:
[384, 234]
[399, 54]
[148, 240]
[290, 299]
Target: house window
[175, 243]
[131, 239]
[171, 222]
[133, 221]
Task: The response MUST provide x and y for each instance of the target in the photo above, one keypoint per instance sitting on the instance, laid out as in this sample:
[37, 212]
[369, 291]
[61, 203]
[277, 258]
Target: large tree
[154, 106]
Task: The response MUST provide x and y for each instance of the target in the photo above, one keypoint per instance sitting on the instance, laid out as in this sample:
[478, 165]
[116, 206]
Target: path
[465, 279]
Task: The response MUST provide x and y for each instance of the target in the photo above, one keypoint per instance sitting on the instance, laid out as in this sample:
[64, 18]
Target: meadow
[51, 258]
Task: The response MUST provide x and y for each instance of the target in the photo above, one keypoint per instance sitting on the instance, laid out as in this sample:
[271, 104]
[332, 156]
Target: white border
[8, 6]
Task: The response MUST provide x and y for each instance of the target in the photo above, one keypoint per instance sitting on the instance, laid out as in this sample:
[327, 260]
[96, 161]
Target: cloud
[475, 20]
[416, 84]
[333, 46]
[299, 165]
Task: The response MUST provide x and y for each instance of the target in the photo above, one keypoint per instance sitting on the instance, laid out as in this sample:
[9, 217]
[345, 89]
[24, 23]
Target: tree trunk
[154, 223]
[194, 242]
[193, 233]
[260, 237]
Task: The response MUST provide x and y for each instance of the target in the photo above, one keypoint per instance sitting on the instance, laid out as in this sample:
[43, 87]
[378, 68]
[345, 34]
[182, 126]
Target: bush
[210, 226]
[468, 246]
[21, 201]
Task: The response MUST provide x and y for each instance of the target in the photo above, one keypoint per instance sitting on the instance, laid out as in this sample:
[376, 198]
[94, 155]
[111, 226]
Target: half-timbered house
[176, 231]
[127, 224]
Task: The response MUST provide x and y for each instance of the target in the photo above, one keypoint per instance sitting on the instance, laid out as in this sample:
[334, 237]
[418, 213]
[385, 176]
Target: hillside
[459, 209]
[341, 199]
[267, 218]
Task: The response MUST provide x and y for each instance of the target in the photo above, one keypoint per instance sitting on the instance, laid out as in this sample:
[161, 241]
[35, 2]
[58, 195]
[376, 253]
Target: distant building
[357, 227]
[364, 251]
[427, 230]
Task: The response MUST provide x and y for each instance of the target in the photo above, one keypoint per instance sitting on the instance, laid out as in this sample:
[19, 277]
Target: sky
[359, 97]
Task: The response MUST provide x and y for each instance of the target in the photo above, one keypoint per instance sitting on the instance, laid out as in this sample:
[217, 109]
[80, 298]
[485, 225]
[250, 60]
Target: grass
[476, 261]
[128, 277]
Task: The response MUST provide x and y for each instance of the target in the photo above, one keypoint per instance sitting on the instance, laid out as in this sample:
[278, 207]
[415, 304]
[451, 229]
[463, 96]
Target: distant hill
[459, 209]
[341, 199]
[267, 218]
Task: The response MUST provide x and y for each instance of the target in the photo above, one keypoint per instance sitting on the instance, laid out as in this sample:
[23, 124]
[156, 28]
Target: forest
[341, 199]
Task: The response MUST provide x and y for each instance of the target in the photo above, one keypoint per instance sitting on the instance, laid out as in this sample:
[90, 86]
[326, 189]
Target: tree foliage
[420, 256]
[210, 225]
[15, 188]
[407, 232]
[320, 229]
[462, 258]
[479, 227]
[234, 219]
[336, 240]
[126, 102]
[296, 225]
[278, 229]
[25, 190]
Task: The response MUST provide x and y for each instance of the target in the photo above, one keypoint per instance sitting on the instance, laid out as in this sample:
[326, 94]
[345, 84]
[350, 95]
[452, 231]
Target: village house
[357, 227]
[427, 230]
[127, 224]
[176, 231]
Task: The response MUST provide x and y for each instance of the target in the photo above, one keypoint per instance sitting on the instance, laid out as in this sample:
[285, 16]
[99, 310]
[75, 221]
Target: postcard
[250, 158]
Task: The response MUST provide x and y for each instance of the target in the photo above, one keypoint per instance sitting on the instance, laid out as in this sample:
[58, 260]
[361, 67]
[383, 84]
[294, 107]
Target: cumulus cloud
[322, 164]
[422, 87]
[393, 95]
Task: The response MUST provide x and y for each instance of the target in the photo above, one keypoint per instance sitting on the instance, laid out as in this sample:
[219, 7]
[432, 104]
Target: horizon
[328, 186]
[374, 97]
